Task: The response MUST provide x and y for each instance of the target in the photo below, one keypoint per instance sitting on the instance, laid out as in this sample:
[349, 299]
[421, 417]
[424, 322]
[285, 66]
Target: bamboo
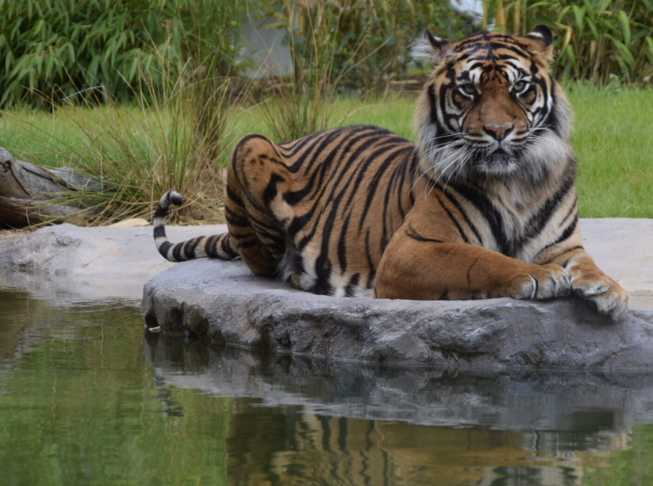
[300, 21]
[516, 17]
[501, 18]
[484, 24]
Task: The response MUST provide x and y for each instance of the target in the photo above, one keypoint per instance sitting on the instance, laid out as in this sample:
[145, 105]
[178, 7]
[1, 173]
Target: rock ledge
[224, 302]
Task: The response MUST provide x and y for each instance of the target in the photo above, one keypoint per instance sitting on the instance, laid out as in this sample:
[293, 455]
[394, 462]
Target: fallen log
[31, 194]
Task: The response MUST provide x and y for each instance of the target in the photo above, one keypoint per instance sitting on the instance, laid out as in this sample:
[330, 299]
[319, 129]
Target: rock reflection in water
[301, 421]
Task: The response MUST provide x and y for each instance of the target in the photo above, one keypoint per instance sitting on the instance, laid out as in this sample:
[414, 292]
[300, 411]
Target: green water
[87, 398]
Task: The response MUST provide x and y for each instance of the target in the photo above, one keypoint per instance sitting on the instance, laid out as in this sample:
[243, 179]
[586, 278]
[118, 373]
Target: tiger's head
[492, 110]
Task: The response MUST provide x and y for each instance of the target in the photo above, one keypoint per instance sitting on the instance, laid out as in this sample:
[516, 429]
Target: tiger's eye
[468, 89]
[519, 86]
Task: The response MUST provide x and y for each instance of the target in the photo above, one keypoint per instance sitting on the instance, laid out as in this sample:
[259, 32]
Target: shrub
[595, 39]
[366, 43]
[61, 48]
[336, 47]
[177, 136]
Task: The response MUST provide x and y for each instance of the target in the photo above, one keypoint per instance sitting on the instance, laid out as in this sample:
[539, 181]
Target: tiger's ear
[437, 43]
[432, 47]
[541, 40]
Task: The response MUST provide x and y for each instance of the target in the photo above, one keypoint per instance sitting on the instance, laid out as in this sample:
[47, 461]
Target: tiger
[483, 205]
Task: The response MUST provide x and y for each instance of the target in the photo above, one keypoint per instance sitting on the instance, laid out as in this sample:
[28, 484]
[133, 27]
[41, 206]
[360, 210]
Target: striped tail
[216, 246]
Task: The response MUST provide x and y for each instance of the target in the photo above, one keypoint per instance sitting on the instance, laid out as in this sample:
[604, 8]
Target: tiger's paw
[542, 282]
[607, 295]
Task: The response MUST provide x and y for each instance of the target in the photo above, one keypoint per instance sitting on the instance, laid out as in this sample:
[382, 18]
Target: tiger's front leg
[587, 280]
[424, 267]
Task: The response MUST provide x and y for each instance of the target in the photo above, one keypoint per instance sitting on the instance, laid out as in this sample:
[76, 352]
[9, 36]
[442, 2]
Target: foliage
[342, 46]
[595, 39]
[612, 143]
[61, 48]
[300, 103]
[367, 43]
[178, 137]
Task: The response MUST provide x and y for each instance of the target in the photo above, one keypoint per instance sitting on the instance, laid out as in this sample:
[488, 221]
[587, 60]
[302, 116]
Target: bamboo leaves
[66, 46]
[597, 39]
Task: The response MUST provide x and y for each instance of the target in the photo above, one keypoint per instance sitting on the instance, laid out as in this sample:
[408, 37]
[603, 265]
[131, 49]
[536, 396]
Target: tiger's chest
[515, 220]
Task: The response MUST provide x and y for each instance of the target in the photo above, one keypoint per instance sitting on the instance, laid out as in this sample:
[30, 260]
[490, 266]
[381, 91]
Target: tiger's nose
[499, 132]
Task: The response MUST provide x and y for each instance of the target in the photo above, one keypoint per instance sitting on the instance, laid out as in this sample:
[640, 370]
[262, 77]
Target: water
[88, 397]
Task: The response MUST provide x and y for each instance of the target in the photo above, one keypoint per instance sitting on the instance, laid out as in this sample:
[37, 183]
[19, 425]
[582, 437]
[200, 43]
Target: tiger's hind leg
[255, 210]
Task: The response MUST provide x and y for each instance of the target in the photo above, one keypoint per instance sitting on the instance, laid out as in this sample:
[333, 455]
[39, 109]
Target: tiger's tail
[215, 246]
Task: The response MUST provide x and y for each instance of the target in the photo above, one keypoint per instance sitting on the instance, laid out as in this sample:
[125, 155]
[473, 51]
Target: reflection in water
[306, 448]
[299, 421]
[84, 399]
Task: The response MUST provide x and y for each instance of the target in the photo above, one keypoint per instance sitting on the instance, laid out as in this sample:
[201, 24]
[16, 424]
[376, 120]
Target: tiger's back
[325, 206]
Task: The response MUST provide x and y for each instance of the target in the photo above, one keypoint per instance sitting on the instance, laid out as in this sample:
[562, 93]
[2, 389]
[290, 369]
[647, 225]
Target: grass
[611, 140]
[170, 138]
[614, 145]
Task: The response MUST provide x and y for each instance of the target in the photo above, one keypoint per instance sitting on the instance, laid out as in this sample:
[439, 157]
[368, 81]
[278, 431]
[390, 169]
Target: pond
[88, 397]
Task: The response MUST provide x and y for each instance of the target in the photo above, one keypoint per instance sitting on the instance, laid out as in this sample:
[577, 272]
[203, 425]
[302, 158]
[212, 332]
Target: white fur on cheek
[544, 153]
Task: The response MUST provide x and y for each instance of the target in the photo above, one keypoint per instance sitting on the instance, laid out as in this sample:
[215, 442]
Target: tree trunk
[29, 193]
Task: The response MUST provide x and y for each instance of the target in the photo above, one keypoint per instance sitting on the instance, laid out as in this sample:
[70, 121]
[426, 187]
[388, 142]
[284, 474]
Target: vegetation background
[148, 95]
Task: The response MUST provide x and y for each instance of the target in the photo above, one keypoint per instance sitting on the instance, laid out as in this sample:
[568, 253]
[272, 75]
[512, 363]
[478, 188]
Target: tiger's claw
[542, 282]
[604, 293]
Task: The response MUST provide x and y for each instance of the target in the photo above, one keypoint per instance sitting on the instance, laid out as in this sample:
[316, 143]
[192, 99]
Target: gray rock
[223, 302]
[27, 191]
[67, 263]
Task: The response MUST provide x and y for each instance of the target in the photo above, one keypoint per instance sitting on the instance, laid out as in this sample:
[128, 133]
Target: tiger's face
[492, 109]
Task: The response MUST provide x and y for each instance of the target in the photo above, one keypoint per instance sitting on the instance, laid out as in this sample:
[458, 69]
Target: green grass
[612, 140]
